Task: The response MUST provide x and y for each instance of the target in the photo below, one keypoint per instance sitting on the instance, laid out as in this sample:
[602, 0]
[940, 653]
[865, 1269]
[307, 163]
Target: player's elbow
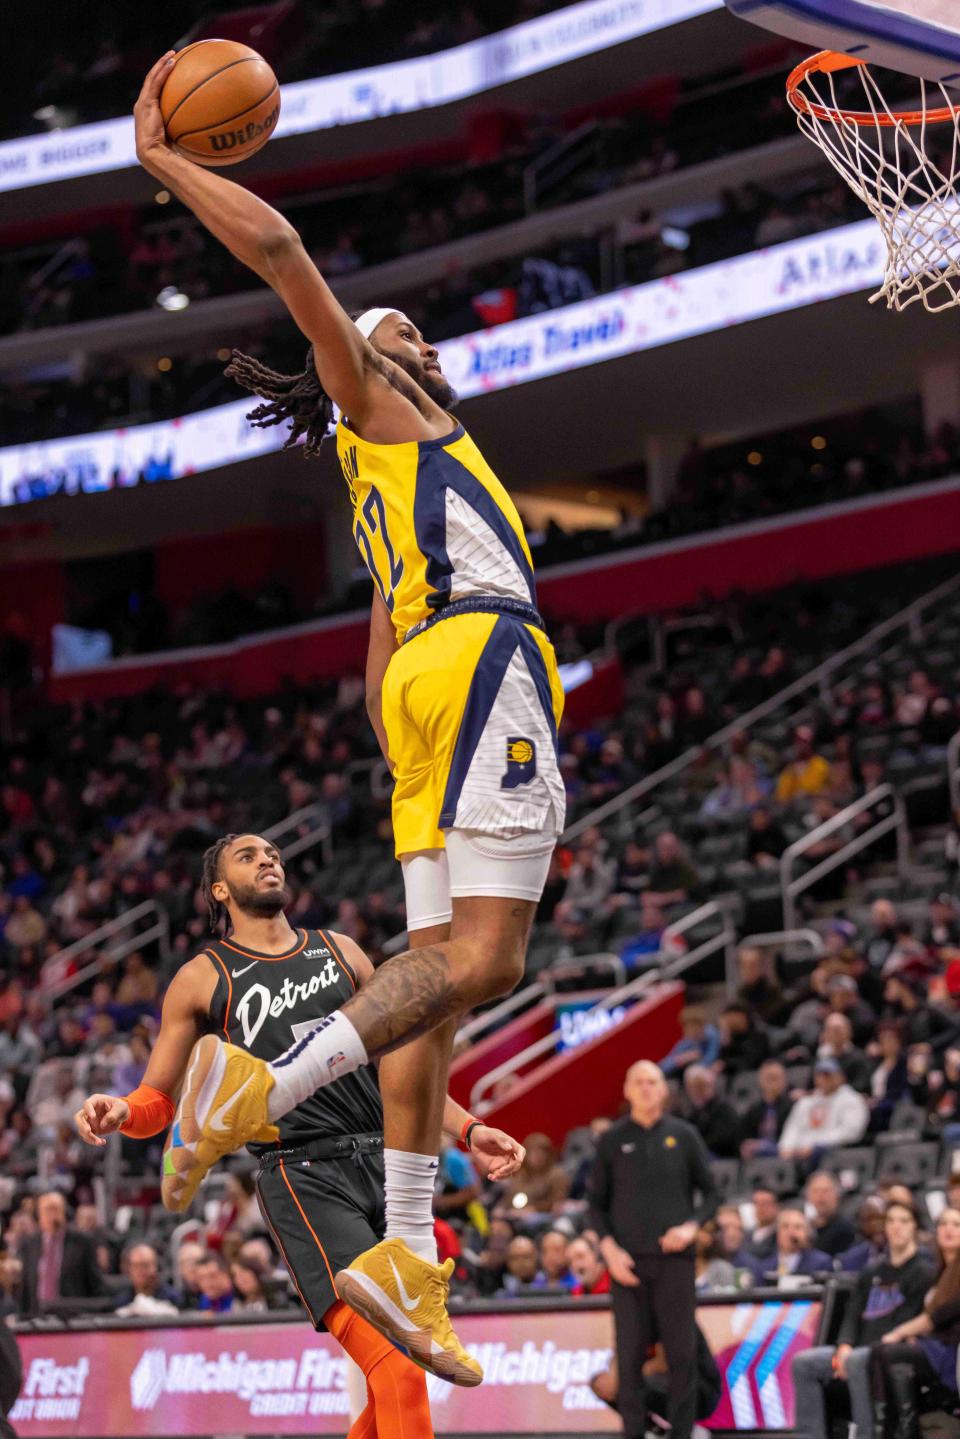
[277, 245]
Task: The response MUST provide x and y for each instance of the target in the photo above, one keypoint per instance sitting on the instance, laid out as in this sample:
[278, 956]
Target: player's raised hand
[495, 1154]
[100, 1115]
[147, 120]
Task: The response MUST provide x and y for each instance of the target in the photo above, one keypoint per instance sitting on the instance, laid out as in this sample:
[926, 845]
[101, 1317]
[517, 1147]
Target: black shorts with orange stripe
[323, 1209]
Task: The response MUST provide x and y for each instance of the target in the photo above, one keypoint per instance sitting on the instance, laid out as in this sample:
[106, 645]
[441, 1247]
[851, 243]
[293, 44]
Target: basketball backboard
[918, 37]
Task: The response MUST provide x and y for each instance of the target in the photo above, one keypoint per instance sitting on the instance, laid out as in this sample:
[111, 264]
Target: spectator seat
[859, 1162]
[912, 1164]
[771, 1172]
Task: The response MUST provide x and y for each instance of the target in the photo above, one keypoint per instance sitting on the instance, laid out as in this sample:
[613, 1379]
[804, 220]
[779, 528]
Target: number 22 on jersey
[374, 514]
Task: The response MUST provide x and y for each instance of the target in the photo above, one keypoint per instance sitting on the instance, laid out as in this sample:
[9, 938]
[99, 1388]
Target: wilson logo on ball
[220, 102]
[229, 139]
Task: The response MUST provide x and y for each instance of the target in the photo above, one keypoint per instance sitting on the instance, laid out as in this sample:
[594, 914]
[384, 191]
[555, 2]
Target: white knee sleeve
[484, 864]
[426, 884]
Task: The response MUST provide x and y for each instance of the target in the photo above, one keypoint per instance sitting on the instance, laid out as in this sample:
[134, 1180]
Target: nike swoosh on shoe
[408, 1303]
[215, 1121]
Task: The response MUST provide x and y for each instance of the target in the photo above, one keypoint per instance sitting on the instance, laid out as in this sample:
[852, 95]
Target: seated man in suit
[764, 1120]
[733, 1242]
[832, 1230]
[794, 1257]
[763, 1237]
[59, 1263]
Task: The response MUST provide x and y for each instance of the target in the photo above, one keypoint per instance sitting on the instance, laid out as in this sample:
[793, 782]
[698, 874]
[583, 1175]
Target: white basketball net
[905, 171]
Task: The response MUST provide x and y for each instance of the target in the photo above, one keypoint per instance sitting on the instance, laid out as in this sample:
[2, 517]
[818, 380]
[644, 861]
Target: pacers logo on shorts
[521, 762]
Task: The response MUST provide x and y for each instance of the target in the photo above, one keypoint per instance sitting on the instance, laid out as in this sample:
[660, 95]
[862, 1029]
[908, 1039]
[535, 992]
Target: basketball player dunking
[320, 1183]
[464, 694]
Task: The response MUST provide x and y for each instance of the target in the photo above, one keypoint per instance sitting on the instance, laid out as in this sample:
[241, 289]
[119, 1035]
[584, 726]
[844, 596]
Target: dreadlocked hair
[299, 400]
[217, 913]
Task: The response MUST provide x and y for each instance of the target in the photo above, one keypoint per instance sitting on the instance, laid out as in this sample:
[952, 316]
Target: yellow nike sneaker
[405, 1298]
[223, 1106]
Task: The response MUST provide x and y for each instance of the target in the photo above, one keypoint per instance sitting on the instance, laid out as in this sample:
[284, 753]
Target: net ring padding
[828, 62]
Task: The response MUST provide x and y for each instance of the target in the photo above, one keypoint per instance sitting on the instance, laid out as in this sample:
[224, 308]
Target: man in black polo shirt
[642, 1191]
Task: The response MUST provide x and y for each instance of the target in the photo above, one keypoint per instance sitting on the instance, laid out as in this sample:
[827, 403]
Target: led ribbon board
[696, 302]
[393, 89]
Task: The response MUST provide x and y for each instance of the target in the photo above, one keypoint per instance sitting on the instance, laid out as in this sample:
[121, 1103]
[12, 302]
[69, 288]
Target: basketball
[220, 102]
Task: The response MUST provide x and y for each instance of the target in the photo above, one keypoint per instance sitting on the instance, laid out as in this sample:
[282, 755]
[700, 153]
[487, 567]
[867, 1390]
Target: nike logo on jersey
[408, 1303]
[258, 1002]
[237, 972]
[627, 1148]
[216, 1119]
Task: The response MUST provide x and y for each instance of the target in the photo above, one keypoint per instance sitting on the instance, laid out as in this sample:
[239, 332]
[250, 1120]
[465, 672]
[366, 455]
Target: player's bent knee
[504, 972]
[487, 970]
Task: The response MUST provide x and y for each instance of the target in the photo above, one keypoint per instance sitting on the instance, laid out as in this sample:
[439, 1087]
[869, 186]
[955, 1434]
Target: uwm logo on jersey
[258, 1002]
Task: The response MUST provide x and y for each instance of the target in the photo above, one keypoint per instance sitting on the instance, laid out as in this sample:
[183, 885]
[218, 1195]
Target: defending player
[321, 1177]
[463, 692]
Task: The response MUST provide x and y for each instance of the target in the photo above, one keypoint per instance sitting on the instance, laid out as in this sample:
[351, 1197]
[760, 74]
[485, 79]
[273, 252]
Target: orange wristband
[150, 1112]
[468, 1124]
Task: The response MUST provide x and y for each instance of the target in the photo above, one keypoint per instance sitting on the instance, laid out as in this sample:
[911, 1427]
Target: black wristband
[469, 1130]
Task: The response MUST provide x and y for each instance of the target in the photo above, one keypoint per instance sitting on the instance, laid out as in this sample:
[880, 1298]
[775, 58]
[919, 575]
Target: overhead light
[164, 363]
[55, 117]
[162, 197]
[223, 353]
[754, 458]
[170, 298]
[675, 238]
[818, 442]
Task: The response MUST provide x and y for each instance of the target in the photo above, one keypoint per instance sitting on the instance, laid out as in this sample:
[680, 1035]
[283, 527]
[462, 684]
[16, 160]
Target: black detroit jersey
[267, 1002]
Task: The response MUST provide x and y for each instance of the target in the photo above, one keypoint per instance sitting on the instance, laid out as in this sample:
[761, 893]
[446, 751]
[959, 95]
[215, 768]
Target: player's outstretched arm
[186, 1001]
[260, 238]
[495, 1153]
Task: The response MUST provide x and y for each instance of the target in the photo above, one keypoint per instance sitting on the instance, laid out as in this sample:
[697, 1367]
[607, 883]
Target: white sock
[410, 1184]
[331, 1050]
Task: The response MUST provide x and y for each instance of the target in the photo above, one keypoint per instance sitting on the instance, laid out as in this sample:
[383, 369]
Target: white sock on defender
[410, 1184]
[331, 1050]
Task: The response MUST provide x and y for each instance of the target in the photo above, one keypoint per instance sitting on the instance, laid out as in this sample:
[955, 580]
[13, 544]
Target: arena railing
[491, 1019]
[134, 938]
[313, 817]
[669, 967]
[896, 822]
[311, 826]
[812, 682]
[574, 968]
[782, 938]
[726, 938]
[559, 162]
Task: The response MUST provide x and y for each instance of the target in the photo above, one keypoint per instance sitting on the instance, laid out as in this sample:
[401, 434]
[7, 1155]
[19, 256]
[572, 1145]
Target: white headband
[370, 319]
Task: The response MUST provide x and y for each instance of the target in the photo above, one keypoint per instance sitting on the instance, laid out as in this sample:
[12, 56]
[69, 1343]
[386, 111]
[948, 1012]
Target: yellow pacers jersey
[433, 524]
